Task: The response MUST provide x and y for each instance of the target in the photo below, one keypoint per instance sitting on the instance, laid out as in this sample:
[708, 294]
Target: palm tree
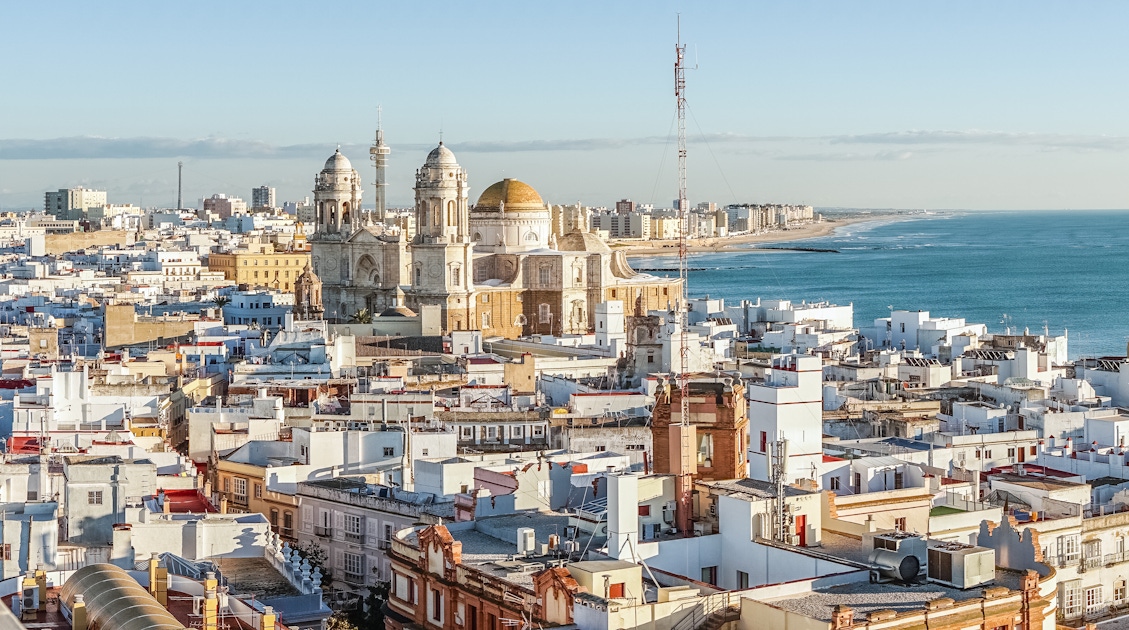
[361, 317]
[221, 301]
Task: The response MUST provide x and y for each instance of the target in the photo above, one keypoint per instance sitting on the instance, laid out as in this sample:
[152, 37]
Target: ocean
[1065, 270]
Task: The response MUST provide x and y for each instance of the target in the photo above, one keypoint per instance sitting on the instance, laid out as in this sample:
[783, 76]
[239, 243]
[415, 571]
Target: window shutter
[338, 520]
[373, 529]
[307, 518]
[339, 559]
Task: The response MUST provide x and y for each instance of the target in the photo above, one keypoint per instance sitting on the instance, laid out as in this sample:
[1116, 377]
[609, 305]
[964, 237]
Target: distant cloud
[997, 138]
[95, 147]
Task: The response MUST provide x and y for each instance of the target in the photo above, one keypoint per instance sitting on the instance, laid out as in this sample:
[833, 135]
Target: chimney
[223, 504]
[211, 602]
[623, 517]
[842, 617]
[268, 619]
[78, 613]
[158, 580]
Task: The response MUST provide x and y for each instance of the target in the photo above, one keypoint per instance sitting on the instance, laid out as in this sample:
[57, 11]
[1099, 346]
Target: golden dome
[516, 197]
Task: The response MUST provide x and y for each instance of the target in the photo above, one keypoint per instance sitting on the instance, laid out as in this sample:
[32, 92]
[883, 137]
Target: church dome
[582, 242]
[440, 156]
[511, 194]
[338, 162]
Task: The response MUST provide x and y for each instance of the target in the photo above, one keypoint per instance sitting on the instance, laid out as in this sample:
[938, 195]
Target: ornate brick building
[719, 413]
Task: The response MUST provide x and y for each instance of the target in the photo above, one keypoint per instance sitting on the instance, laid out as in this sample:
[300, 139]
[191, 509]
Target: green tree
[221, 301]
[370, 614]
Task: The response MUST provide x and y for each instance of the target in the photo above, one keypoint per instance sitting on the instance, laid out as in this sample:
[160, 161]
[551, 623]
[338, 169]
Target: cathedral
[495, 266]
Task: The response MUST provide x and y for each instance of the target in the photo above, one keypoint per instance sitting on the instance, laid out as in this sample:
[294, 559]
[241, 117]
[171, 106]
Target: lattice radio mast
[687, 438]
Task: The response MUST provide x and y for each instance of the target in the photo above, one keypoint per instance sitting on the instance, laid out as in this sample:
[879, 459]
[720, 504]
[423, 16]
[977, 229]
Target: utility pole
[179, 183]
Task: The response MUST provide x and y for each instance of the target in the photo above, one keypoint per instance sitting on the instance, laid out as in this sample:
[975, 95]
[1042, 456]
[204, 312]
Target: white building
[787, 407]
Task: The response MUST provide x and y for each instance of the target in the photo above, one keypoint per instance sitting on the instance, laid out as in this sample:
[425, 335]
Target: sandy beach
[803, 232]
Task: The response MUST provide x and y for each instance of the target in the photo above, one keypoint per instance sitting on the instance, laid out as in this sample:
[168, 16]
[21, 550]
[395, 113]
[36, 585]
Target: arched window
[419, 275]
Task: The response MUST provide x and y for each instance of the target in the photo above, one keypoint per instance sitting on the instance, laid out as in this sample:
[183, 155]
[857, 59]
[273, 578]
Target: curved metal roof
[115, 601]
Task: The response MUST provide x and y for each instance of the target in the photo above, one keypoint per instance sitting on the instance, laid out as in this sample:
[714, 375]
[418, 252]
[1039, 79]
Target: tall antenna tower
[179, 182]
[687, 438]
[378, 153]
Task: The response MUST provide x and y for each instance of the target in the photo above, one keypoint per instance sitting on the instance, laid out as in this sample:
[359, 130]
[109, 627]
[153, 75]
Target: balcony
[355, 537]
[353, 578]
[323, 532]
[383, 543]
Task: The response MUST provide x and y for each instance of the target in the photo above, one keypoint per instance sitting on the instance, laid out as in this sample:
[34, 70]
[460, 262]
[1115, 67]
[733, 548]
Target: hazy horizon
[966, 106]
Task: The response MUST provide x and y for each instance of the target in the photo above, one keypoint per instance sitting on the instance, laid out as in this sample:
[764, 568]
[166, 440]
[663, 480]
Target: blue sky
[878, 104]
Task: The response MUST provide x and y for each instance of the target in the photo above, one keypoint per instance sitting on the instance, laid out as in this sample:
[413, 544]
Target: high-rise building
[624, 206]
[224, 206]
[262, 198]
[73, 204]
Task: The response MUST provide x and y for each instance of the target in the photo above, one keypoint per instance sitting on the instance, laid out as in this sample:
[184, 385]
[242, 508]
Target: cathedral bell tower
[337, 199]
[441, 250]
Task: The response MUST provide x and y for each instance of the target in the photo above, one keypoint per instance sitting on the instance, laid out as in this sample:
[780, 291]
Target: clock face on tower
[435, 269]
[330, 263]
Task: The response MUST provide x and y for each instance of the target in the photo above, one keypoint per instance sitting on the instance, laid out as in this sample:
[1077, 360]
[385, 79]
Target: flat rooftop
[864, 597]
[492, 544]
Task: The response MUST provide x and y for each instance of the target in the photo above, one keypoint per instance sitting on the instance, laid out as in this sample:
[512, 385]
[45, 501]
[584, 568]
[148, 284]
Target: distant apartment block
[262, 198]
[73, 204]
[223, 206]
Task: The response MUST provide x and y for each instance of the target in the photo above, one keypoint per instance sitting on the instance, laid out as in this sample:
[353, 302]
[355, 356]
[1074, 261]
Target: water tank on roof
[893, 566]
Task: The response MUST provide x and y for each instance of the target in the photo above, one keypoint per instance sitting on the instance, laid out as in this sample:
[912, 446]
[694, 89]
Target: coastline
[805, 232]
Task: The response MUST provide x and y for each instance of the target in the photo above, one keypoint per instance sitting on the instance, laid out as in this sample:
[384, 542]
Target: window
[287, 523]
[94, 497]
[1092, 549]
[899, 480]
[1011, 452]
[709, 575]
[353, 524]
[764, 442]
[900, 523]
[485, 298]
[436, 606]
[636, 447]
[742, 579]
[227, 485]
[389, 451]
[1093, 600]
[274, 517]
[486, 320]
[354, 566]
[544, 274]
[987, 454]
[601, 449]
[7, 551]
[538, 431]
[644, 510]
[491, 433]
[544, 313]
[1119, 591]
[456, 273]
[834, 483]
[1032, 450]
[516, 432]
[467, 432]
[240, 489]
[1068, 548]
[650, 358]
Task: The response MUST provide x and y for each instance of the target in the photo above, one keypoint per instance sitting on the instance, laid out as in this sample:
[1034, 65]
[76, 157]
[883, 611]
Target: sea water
[1055, 271]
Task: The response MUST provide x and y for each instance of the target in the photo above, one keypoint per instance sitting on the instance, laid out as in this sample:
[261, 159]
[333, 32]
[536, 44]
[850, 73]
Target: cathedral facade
[493, 266]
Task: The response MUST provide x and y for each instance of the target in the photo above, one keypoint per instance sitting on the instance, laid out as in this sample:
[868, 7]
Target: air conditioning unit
[961, 566]
[526, 540]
